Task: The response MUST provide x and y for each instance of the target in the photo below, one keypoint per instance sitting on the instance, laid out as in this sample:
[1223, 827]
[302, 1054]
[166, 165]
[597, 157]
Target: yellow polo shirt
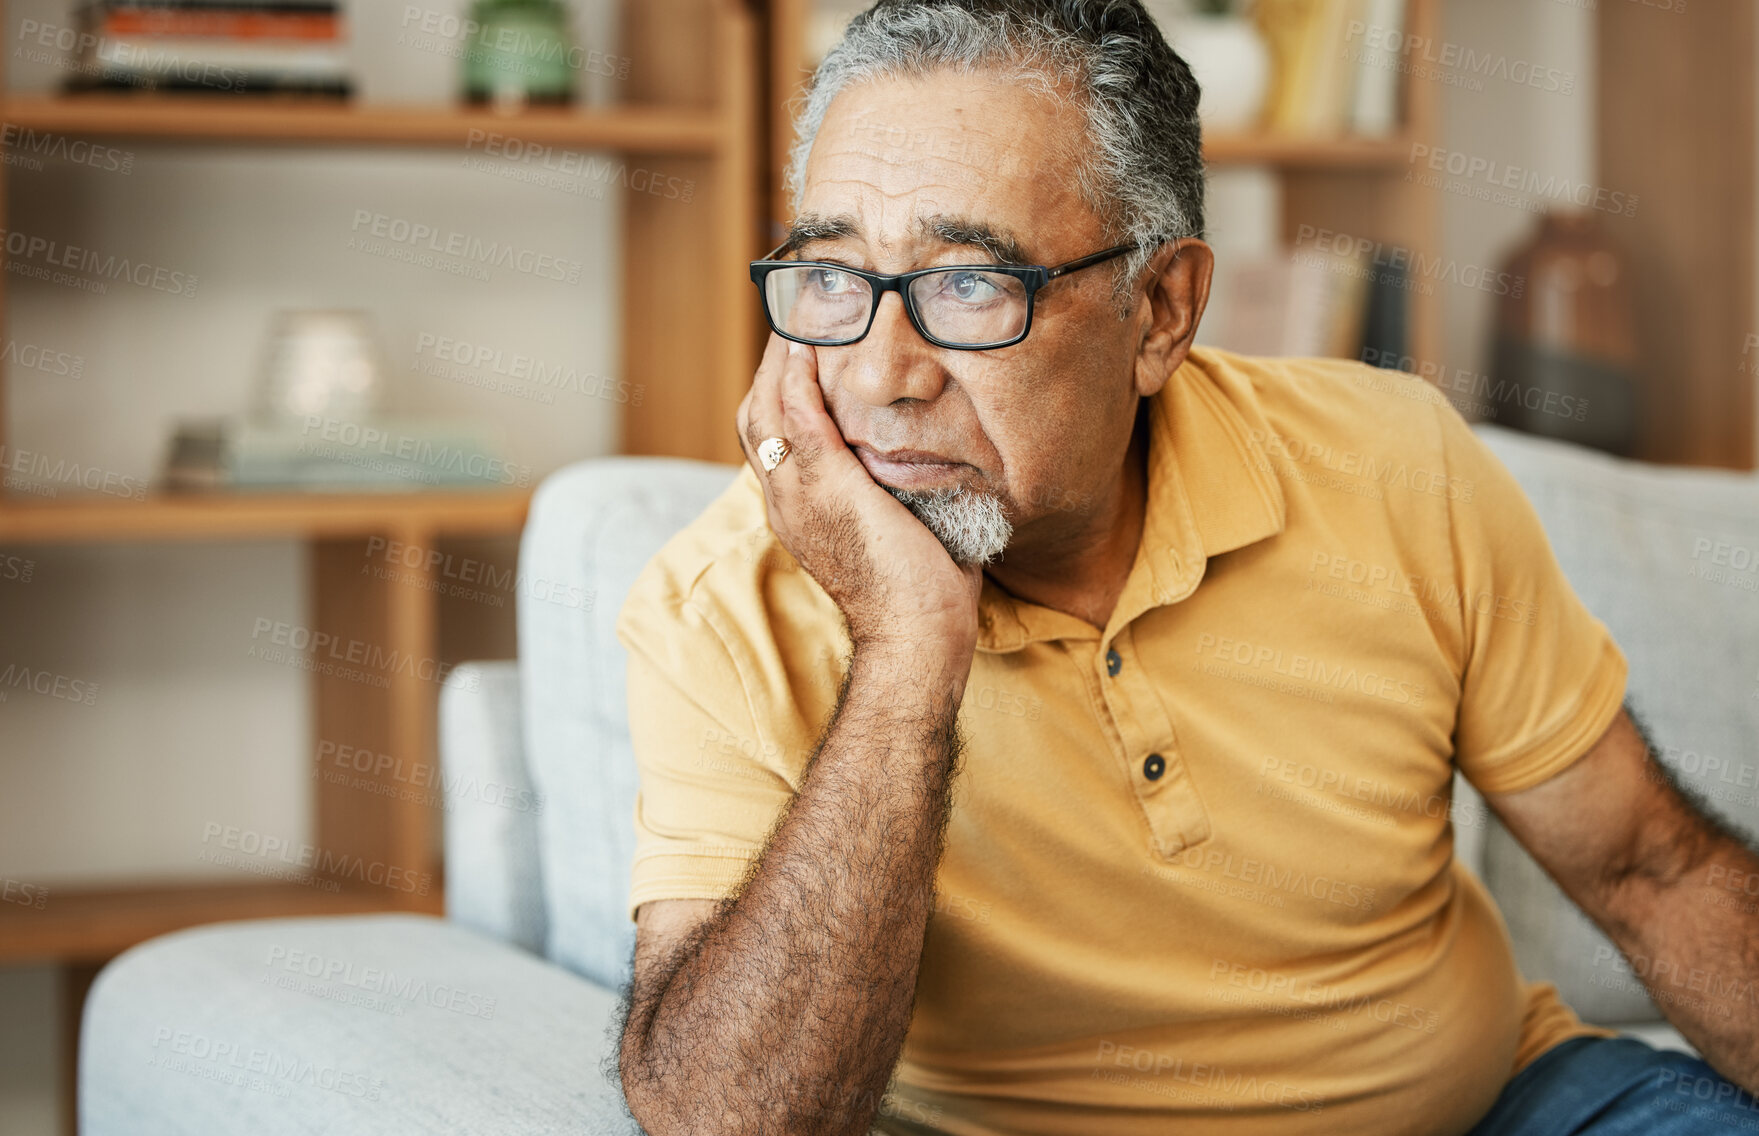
[1199, 873]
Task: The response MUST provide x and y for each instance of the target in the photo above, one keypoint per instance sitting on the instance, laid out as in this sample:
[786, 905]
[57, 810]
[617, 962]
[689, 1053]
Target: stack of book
[213, 46]
[1336, 65]
[1312, 302]
[380, 454]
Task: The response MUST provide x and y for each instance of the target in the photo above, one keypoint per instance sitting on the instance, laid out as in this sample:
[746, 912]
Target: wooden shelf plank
[222, 516]
[1291, 151]
[100, 923]
[654, 130]
[629, 129]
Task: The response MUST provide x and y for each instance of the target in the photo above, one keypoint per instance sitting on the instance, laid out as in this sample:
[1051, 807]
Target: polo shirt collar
[1211, 490]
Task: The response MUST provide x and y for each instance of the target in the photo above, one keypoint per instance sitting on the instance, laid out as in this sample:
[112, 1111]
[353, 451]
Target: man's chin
[972, 526]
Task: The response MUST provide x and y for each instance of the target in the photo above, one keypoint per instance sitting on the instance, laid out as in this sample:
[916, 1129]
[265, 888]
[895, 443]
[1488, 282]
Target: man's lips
[903, 468]
[913, 457]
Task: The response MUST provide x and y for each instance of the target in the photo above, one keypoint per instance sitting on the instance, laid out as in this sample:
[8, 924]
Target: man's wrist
[918, 665]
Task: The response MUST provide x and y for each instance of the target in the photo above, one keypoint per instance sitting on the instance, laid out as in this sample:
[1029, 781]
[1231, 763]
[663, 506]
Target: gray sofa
[498, 1018]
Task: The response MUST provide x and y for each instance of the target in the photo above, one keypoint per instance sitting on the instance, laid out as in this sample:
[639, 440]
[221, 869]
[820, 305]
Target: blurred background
[302, 301]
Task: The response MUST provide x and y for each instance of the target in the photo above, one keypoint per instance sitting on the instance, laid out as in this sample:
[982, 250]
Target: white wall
[1548, 132]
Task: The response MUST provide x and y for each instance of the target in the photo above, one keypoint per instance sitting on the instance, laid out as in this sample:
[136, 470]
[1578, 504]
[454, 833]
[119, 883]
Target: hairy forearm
[787, 1010]
[1691, 933]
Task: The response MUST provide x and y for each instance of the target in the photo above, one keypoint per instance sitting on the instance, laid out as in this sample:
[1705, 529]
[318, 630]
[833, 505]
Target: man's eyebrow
[1000, 245]
[810, 227]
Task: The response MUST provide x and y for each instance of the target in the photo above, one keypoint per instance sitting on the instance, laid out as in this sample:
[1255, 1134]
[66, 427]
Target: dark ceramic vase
[1565, 353]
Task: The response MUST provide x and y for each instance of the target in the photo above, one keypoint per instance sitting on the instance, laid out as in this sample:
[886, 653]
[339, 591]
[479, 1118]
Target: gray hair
[1144, 174]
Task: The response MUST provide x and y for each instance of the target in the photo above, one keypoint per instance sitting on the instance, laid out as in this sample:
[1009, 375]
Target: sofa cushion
[593, 527]
[1668, 558]
[388, 1024]
[494, 866]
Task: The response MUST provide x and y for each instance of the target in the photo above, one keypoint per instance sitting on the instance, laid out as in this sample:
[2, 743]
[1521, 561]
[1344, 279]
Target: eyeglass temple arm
[1089, 261]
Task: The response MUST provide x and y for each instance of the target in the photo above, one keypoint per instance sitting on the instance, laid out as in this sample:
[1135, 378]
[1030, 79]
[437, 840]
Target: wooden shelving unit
[1679, 132]
[693, 100]
[92, 926]
[1347, 185]
[1364, 154]
[630, 130]
[303, 516]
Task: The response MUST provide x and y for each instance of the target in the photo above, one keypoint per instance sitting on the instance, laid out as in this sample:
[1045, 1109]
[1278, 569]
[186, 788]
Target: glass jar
[521, 53]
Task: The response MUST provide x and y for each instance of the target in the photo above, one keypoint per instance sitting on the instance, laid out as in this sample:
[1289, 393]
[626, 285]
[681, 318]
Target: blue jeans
[1619, 1086]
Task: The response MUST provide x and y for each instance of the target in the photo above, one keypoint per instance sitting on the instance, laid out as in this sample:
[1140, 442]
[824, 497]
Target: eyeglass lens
[962, 306]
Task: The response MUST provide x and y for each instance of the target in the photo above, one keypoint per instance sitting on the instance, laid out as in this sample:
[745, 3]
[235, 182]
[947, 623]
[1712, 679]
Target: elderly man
[1011, 760]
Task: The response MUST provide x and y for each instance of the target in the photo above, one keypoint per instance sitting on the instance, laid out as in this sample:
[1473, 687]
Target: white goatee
[971, 526]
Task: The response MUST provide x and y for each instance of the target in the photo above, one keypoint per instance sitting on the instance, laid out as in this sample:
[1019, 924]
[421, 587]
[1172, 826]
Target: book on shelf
[218, 46]
[231, 19]
[1336, 66]
[1386, 326]
[387, 455]
[1311, 303]
[1374, 109]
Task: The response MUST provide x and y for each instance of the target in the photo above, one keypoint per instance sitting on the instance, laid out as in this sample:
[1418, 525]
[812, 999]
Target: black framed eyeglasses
[966, 307]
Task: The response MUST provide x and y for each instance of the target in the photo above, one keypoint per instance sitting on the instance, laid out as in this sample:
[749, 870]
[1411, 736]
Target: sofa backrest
[592, 527]
[1668, 558]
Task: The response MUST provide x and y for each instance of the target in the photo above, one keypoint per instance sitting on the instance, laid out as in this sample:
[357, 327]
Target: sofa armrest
[387, 1024]
[494, 870]
[1471, 819]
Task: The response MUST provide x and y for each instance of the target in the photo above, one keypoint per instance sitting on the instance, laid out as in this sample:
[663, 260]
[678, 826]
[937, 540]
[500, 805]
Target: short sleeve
[710, 787]
[1542, 678]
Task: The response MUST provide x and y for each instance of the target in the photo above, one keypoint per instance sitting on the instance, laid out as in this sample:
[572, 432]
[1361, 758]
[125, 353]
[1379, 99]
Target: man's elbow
[671, 1105]
[696, 1105]
[636, 1075]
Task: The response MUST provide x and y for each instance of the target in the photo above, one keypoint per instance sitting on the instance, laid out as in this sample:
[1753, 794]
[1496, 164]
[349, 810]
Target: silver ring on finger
[771, 451]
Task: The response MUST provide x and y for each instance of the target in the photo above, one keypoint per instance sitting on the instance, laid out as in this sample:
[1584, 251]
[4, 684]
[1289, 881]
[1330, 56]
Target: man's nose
[892, 362]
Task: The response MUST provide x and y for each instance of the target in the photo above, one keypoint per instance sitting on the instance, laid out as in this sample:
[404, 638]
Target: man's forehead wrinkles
[875, 202]
[898, 161]
[971, 132]
[973, 144]
[892, 163]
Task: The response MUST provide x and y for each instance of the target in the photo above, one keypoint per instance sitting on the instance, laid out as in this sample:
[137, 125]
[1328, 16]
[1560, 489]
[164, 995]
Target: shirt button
[1114, 662]
[1154, 766]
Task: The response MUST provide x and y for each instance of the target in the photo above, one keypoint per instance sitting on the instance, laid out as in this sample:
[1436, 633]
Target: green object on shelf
[521, 53]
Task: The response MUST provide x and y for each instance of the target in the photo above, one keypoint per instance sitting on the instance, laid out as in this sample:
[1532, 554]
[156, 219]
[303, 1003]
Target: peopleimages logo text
[358, 652]
[358, 438]
[323, 861]
[47, 253]
[1416, 51]
[494, 254]
[1417, 265]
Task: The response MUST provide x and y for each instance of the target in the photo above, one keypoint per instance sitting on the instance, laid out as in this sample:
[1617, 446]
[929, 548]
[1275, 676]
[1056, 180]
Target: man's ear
[1176, 292]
